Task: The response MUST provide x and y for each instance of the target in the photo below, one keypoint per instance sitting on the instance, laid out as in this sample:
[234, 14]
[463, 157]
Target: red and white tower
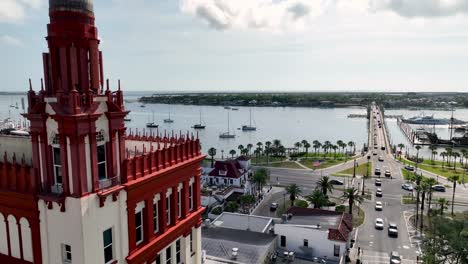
[91, 193]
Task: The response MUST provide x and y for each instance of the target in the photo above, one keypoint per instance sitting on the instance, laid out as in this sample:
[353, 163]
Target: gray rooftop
[243, 222]
[253, 247]
[325, 221]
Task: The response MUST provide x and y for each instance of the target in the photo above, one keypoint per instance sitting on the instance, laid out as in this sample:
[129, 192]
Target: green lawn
[407, 199]
[263, 159]
[442, 171]
[360, 170]
[358, 215]
[284, 164]
[325, 164]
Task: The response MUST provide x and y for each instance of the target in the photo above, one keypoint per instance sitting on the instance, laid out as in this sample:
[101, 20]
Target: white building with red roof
[231, 172]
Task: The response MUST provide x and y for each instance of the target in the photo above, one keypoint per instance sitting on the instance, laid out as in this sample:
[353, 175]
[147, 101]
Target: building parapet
[16, 177]
[167, 152]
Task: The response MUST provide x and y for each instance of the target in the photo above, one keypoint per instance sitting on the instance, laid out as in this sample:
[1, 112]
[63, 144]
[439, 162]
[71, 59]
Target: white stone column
[197, 247]
[186, 254]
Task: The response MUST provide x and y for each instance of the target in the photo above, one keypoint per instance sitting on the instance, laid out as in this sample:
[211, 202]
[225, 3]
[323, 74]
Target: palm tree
[232, 152]
[454, 179]
[249, 147]
[401, 146]
[443, 203]
[443, 155]
[267, 150]
[325, 185]
[260, 145]
[334, 147]
[303, 142]
[434, 154]
[260, 178]
[449, 151]
[417, 154]
[464, 155]
[352, 195]
[317, 198]
[339, 143]
[351, 144]
[307, 146]
[418, 190]
[244, 152]
[424, 188]
[212, 153]
[257, 153]
[276, 143]
[431, 182]
[294, 191]
[455, 156]
[432, 148]
[240, 148]
[316, 145]
[298, 146]
[326, 146]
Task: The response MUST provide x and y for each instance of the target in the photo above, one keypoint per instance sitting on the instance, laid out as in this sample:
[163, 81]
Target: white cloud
[10, 41]
[14, 11]
[421, 8]
[270, 15]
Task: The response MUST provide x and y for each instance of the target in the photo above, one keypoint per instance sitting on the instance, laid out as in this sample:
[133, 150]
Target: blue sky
[258, 45]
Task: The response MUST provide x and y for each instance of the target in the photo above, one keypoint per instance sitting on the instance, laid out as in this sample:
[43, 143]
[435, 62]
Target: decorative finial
[30, 85]
[42, 84]
[119, 84]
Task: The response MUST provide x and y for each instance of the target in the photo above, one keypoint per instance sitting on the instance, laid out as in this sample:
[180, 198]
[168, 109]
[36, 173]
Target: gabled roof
[243, 158]
[231, 167]
[339, 224]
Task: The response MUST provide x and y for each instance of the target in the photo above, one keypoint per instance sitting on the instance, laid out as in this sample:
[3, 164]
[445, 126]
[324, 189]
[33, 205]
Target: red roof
[243, 158]
[232, 168]
[340, 233]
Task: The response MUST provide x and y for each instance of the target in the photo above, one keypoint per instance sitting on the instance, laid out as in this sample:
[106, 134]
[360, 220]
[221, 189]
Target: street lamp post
[354, 168]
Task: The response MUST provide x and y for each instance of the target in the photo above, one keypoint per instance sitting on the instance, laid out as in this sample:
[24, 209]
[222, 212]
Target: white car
[379, 224]
[378, 206]
[380, 158]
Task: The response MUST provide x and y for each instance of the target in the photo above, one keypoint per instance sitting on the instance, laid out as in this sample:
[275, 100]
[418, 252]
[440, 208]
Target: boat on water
[142, 105]
[227, 107]
[200, 124]
[152, 124]
[227, 134]
[169, 120]
[234, 109]
[430, 120]
[249, 127]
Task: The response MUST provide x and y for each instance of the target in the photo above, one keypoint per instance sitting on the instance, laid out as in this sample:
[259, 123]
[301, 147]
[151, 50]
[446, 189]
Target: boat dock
[412, 135]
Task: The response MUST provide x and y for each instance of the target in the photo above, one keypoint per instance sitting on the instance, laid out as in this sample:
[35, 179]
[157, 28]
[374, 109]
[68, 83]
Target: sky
[257, 45]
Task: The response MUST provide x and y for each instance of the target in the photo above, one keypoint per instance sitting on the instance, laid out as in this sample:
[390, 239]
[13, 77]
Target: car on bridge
[387, 173]
[378, 182]
[380, 158]
[379, 192]
[377, 171]
[382, 148]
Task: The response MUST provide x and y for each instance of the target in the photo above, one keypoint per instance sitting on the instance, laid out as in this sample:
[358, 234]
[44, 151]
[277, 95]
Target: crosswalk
[374, 257]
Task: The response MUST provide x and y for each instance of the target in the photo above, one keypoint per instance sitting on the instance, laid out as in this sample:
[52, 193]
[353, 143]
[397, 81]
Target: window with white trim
[101, 156]
[139, 227]
[108, 246]
[178, 258]
[179, 203]
[191, 197]
[168, 210]
[57, 159]
[155, 217]
[66, 254]
[168, 255]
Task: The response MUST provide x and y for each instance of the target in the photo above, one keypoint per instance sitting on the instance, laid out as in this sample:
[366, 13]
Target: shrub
[330, 203]
[231, 207]
[217, 210]
[340, 208]
[301, 203]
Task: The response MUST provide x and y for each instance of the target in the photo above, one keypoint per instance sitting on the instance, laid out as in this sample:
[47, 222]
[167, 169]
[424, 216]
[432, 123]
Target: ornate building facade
[80, 188]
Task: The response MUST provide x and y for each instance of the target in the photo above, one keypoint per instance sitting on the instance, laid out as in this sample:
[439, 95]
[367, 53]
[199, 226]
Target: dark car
[382, 148]
[438, 188]
[409, 167]
[336, 182]
[377, 171]
[395, 258]
[378, 182]
[392, 230]
[273, 206]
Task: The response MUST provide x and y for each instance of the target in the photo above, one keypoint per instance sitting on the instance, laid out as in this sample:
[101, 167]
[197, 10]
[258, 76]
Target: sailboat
[249, 127]
[169, 120]
[227, 134]
[152, 124]
[199, 125]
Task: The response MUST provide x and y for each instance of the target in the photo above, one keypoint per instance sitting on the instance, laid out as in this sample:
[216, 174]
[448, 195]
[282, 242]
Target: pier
[365, 116]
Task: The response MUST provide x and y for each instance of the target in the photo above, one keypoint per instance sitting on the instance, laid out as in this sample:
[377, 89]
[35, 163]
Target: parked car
[387, 173]
[378, 182]
[378, 206]
[380, 158]
[378, 193]
[273, 206]
[407, 186]
[336, 182]
[395, 258]
[409, 167]
[379, 224]
[392, 230]
[438, 188]
[377, 171]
